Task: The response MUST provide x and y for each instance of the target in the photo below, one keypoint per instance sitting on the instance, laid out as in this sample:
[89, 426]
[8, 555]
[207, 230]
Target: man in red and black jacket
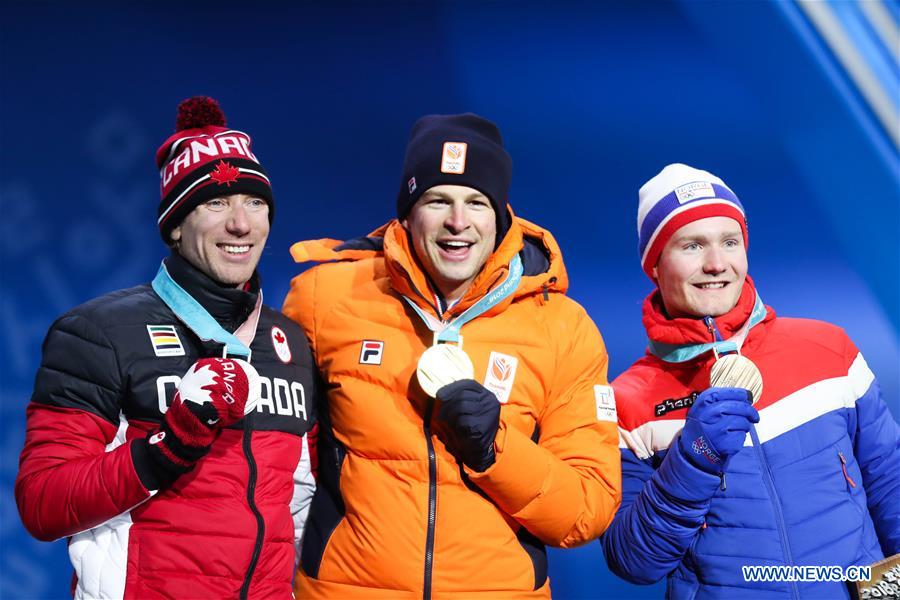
[167, 434]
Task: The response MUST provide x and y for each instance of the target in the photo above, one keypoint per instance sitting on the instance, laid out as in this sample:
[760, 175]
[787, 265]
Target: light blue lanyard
[676, 353]
[449, 332]
[192, 314]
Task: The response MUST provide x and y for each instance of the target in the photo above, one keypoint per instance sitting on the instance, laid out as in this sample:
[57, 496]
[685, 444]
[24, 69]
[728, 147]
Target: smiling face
[453, 230]
[702, 268]
[224, 237]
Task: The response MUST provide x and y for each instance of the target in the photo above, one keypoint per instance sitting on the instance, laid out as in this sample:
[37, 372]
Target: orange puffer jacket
[395, 515]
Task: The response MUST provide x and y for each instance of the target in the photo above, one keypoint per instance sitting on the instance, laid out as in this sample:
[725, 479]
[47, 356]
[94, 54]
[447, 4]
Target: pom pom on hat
[199, 111]
[676, 196]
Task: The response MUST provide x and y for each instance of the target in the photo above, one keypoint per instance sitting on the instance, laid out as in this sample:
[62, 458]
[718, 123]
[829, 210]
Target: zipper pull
[723, 486]
[546, 288]
[844, 469]
[710, 326]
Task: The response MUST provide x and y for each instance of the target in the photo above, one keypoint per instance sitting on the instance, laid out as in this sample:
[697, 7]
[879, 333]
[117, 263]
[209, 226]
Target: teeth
[711, 286]
[236, 249]
[456, 244]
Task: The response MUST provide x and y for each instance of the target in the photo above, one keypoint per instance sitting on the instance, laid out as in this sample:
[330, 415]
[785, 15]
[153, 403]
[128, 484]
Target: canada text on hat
[204, 160]
[679, 195]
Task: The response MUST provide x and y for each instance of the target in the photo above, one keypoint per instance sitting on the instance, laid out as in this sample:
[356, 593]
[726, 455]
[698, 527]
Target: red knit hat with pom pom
[204, 159]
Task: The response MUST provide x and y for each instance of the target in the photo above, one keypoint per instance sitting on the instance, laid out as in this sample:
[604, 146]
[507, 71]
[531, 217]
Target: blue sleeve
[661, 512]
[876, 444]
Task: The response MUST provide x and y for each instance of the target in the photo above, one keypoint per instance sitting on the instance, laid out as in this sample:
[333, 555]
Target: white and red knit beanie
[679, 195]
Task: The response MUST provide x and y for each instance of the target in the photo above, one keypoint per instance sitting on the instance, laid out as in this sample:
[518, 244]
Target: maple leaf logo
[279, 337]
[193, 387]
[224, 174]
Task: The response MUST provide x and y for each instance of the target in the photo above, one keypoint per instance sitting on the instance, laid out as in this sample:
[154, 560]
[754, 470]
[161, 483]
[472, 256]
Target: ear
[175, 235]
[405, 223]
[656, 273]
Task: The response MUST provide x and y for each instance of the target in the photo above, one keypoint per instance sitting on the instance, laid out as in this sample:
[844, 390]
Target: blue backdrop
[592, 98]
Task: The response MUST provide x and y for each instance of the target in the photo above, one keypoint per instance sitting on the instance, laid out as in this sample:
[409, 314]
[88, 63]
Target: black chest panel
[155, 354]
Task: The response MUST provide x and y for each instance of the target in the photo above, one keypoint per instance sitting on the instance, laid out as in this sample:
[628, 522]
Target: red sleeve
[67, 481]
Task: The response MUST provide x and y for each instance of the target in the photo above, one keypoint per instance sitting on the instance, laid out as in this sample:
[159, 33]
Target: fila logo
[370, 352]
[501, 372]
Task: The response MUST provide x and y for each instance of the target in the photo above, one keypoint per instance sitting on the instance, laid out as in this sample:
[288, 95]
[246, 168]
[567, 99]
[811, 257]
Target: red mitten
[213, 395]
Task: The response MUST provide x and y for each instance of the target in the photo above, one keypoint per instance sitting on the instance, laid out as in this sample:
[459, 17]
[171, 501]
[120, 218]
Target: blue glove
[473, 414]
[716, 426]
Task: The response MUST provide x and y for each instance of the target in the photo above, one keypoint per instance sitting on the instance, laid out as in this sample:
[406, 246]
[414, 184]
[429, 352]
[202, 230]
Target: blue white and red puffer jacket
[817, 482]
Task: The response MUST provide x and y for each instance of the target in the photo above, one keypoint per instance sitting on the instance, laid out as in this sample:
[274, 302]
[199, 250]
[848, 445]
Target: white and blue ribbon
[192, 314]
[449, 332]
[677, 353]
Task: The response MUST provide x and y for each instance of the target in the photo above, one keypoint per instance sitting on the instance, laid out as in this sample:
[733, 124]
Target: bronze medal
[735, 370]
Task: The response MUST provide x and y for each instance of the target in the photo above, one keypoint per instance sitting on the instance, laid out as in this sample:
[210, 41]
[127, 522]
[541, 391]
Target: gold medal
[442, 364]
[734, 370]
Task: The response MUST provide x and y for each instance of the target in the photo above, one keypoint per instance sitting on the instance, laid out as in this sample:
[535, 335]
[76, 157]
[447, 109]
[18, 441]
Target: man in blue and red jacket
[809, 474]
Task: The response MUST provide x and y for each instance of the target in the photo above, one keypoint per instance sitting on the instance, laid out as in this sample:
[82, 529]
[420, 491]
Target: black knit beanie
[456, 150]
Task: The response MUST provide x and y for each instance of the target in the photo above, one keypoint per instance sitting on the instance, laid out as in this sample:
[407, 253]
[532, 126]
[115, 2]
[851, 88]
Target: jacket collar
[227, 305]
[680, 339]
[545, 272]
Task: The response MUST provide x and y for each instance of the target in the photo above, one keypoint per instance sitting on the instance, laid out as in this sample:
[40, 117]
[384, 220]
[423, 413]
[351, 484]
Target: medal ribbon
[192, 314]
[449, 332]
[675, 353]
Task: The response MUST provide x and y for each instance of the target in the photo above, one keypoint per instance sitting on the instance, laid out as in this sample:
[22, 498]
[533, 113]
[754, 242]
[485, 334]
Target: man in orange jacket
[469, 420]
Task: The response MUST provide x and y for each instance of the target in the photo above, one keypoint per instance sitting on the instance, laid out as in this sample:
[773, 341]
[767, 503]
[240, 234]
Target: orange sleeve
[566, 488]
[299, 304]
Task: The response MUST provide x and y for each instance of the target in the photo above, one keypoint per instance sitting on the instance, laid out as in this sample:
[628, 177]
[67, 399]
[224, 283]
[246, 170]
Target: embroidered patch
[453, 159]
[280, 343]
[501, 372]
[370, 352]
[165, 340]
[701, 447]
[225, 174]
[605, 398]
[671, 404]
[694, 191]
[411, 184]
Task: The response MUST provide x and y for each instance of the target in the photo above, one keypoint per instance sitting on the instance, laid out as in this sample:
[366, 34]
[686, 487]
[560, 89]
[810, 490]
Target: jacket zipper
[432, 502]
[716, 337]
[844, 469]
[251, 500]
[776, 504]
